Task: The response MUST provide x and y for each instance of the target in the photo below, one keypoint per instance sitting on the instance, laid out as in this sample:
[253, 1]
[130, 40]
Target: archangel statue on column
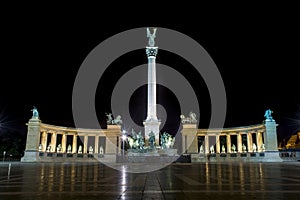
[151, 37]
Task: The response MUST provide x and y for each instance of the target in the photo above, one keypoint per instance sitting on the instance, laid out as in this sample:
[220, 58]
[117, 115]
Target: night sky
[256, 52]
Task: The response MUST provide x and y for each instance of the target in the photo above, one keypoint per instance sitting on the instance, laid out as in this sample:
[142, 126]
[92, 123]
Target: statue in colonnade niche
[101, 151]
[80, 149]
[223, 149]
[91, 150]
[69, 149]
[244, 148]
[201, 149]
[263, 147]
[58, 148]
[233, 148]
[212, 149]
[254, 147]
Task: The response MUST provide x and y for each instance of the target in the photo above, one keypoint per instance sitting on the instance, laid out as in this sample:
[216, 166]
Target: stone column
[96, 150]
[228, 140]
[189, 131]
[184, 143]
[206, 141]
[85, 144]
[32, 141]
[218, 143]
[53, 142]
[64, 142]
[259, 141]
[151, 123]
[74, 145]
[44, 141]
[239, 143]
[249, 142]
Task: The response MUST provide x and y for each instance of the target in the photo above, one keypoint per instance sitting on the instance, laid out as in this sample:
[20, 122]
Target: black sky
[255, 50]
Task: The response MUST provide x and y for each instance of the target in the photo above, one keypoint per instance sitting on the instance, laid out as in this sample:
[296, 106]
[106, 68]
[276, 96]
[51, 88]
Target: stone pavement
[177, 181]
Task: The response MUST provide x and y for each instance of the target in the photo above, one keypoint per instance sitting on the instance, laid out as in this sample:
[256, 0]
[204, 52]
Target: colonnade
[226, 140]
[50, 145]
[214, 139]
[57, 139]
[47, 138]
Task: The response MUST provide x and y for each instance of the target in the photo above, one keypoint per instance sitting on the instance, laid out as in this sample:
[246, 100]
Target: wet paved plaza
[177, 181]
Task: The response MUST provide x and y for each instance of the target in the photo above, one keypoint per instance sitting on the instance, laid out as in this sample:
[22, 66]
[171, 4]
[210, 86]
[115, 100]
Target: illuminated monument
[151, 123]
[49, 143]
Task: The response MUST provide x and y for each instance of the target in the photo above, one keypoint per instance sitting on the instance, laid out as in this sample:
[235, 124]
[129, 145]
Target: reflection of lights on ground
[123, 181]
[124, 136]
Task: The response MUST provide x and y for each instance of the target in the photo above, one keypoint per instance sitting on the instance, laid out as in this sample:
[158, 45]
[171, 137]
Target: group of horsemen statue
[137, 141]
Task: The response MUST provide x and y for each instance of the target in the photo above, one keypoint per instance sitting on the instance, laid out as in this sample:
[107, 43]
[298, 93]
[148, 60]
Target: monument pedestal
[189, 138]
[149, 156]
[271, 152]
[112, 139]
[151, 126]
[272, 156]
[31, 156]
[32, 141]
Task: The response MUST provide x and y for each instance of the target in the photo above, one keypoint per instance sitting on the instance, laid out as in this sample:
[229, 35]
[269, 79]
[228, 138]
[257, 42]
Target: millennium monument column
[151, 123]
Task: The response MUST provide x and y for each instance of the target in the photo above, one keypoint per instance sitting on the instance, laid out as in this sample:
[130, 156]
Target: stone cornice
[50, 127]
[251, 128]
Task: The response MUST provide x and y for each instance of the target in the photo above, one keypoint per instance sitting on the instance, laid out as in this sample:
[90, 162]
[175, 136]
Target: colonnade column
[239, 143]
[259, 141]
[74, 145]
[63, 143]
[184, 143]
[96, 144]
[206, 144]
[53, 142]
[228, 143]
[249, 142]
[85, 144]
[218, 143]
[228, 140]
[44, 141]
